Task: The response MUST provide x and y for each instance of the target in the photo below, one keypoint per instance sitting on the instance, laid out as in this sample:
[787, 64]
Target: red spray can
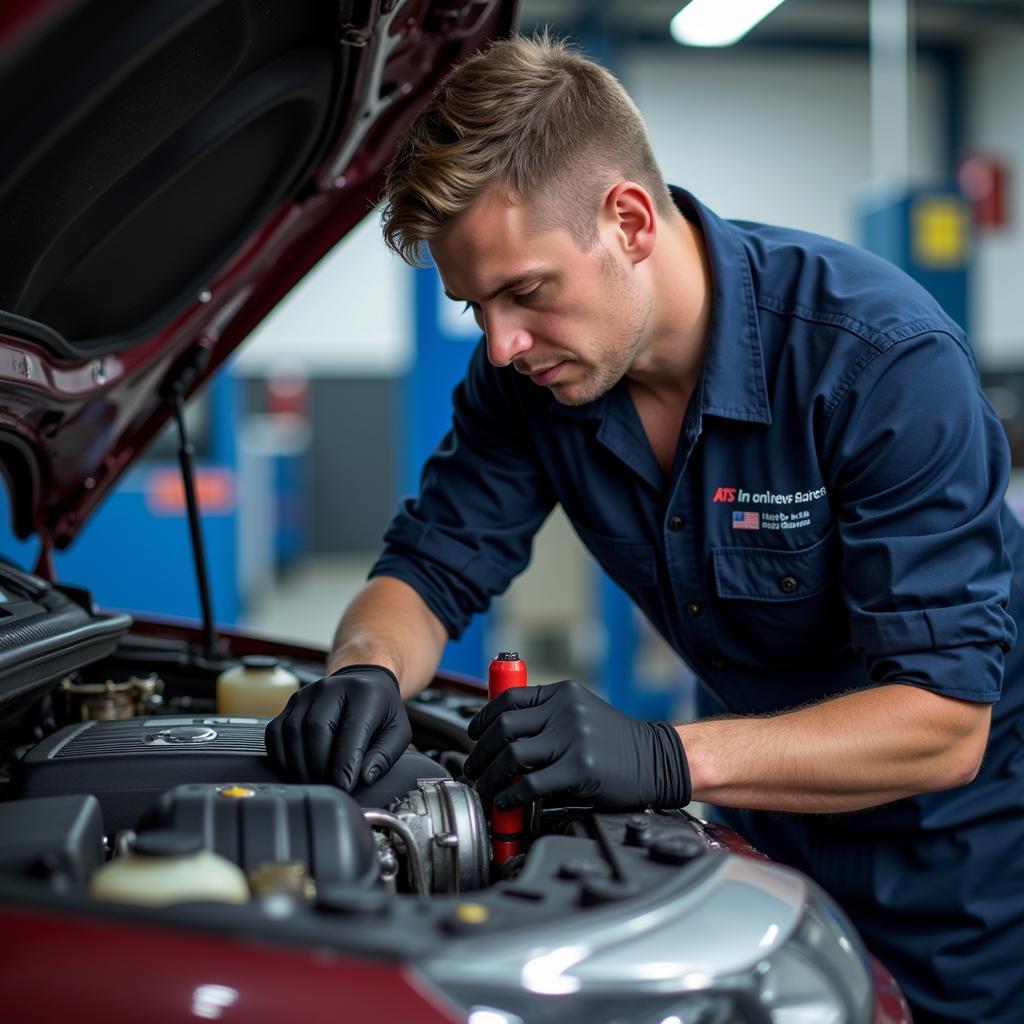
[505, 671]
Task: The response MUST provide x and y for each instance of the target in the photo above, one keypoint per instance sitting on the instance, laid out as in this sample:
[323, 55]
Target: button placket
[693, 625]
[683, 564]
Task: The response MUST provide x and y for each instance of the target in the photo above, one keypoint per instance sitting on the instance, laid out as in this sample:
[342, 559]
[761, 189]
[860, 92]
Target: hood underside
[169, 171]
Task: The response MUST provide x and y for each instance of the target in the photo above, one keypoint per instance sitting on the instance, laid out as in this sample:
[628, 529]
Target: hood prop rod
[186, 458]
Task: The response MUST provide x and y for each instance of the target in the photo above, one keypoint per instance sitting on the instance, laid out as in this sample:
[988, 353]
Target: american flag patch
[746, 520]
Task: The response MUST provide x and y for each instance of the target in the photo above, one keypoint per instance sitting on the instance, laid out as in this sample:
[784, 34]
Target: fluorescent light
[718, 22]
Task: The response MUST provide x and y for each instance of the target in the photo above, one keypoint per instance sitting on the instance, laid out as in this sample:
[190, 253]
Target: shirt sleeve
[918, 467]
[482, 498]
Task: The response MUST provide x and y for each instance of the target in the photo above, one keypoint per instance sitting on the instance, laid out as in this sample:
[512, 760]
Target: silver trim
[180, 734]
[675, 938]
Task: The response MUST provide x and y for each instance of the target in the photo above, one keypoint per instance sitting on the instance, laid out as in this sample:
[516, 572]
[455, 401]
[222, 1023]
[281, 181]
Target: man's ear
[627, 213]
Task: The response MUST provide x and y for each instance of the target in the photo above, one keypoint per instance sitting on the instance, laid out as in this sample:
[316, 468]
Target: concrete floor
[306, 603]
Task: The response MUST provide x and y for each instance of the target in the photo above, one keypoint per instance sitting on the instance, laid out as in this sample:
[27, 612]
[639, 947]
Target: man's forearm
[389, 624]
[854, 751]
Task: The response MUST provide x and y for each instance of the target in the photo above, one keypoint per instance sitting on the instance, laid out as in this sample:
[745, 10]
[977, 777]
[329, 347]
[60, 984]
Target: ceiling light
[718, 22]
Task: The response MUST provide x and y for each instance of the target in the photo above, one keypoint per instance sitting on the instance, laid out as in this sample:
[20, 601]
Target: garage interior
[820, 108]
[715, 116]
[894, 125]
[801, 122]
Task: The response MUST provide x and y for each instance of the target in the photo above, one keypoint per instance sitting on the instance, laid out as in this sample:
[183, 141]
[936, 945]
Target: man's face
[572, 321]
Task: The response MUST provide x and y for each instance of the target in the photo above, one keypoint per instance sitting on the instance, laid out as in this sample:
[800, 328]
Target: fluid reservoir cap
[237, 792]
[638, 833]
[472, 913]
[467, 918]
[260, 662]
[167, 842]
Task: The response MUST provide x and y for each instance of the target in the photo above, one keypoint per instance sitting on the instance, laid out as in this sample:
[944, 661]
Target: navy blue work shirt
[834, 520]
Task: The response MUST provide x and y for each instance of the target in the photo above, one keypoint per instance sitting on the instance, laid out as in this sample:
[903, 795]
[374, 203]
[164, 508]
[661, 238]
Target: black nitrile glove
[566, 740]
[348, 729]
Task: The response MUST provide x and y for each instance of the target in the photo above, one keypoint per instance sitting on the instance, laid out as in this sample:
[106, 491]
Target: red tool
[506, 670]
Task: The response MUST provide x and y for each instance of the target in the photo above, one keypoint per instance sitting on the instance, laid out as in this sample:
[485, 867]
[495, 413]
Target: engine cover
[268, 823]
[129, 764]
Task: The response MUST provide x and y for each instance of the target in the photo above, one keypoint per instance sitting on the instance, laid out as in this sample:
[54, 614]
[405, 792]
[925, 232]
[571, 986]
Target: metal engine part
[442, 827]
[110, 701]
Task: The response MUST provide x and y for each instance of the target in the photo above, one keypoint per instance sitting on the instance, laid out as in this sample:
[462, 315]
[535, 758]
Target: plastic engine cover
[261, 823]
[128, 765]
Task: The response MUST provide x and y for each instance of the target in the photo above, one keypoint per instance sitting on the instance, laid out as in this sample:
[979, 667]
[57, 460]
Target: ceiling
[806, 22]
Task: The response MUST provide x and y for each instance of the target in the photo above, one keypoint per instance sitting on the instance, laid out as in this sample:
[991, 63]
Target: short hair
[532, 116]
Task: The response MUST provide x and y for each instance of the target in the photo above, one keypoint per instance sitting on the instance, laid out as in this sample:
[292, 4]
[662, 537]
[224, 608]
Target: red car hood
[169, 172]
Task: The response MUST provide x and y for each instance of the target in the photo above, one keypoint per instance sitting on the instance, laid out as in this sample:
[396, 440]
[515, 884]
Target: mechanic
[777, 444]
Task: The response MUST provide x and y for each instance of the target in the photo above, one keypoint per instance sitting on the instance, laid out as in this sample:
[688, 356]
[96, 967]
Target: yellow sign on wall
[939, 233]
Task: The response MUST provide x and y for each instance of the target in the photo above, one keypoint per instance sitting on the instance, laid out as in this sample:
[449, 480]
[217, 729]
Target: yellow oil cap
[238, 792]
[472, 913]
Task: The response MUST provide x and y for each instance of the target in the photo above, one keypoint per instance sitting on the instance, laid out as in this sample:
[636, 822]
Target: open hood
[170, 169]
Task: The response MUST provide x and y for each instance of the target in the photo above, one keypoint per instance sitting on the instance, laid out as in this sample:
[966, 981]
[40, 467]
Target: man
[778, 446]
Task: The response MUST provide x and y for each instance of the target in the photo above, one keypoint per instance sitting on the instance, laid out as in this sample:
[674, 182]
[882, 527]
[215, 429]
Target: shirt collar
[734, 382]
[733, 378]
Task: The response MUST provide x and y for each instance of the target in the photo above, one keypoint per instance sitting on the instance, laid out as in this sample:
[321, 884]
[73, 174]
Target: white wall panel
[351, 315]
[778, 136]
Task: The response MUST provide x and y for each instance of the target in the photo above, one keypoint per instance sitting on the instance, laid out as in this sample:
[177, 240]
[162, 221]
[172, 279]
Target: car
[171, 170]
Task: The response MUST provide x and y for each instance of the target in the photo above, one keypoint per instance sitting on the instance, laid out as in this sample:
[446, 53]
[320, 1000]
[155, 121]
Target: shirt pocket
[782, 606]
[631, 563]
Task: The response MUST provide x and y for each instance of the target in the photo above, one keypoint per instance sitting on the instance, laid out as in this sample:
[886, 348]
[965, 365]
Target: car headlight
[748, 943]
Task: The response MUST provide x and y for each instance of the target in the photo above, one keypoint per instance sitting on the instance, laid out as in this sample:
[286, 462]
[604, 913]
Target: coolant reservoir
[165, 866]
[259, 685]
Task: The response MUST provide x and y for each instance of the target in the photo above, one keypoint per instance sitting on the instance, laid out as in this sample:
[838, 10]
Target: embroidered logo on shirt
[769, 497]
[776, 519]
[746, 520]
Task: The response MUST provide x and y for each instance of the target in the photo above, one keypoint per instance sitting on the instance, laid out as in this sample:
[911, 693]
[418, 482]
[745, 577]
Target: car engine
[208, 776]
[124, 793]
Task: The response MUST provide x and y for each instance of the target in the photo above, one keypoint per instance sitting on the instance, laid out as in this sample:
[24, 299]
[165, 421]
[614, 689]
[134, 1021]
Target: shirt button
[788, 584]
[693, 608]
[718, 663]
[675, 523]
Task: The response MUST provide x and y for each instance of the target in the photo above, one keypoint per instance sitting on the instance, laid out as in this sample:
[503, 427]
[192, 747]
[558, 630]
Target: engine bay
[104, 786]
[124, 760]
[129, 796]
